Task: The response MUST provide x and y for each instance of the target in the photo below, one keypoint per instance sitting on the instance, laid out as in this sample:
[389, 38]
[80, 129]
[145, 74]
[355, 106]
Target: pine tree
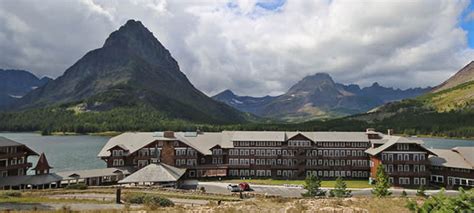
[340, 190]
[313, 184]
[381, 183]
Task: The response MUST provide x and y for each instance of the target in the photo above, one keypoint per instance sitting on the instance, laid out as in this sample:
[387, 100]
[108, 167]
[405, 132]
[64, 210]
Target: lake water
[64, 153]
[67, 153]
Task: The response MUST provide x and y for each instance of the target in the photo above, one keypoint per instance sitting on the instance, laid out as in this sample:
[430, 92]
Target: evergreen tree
[313, 184]
[381, 183]
[340, 190]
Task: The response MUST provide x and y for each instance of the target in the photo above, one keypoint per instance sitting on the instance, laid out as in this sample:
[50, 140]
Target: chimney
[168, 134]
[389, 131]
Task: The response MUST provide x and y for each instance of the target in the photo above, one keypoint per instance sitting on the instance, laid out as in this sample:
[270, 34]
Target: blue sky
[468, 23]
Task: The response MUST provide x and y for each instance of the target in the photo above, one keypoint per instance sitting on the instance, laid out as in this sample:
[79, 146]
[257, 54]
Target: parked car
[244, 186]
[234, 188]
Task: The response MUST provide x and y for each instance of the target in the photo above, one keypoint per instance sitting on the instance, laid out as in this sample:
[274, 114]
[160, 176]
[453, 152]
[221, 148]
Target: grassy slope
[456, 98]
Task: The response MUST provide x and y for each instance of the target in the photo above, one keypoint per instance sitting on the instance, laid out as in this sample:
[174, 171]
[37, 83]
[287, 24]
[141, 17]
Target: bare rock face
[464, 75]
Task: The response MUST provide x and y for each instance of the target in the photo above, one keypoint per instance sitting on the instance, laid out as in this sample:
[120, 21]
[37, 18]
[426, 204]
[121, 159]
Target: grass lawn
[39, 199]
[324, 183]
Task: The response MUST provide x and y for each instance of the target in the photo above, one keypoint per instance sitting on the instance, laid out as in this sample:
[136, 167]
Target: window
[416, 168]
[423, 181]
[416, 181]
[403, 146]
[404, 181]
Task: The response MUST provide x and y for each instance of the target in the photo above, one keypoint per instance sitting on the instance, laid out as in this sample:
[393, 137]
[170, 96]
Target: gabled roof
[453, 157]
[390, 140]
[155, 173]
[8, 142]
[133, 141]
[4, 142]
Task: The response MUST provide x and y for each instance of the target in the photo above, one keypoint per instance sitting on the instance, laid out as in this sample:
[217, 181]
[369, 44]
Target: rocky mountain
[17, 83]
[131, 69]
[243, 103]
[464, 75]
[317, 96]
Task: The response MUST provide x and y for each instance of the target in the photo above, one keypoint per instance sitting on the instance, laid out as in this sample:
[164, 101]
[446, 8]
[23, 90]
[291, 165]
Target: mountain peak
[133, 37]
[319, 76]
[129, 32]
[227, 92]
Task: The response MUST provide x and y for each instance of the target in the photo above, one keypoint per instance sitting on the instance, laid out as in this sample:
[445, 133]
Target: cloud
[252, 47]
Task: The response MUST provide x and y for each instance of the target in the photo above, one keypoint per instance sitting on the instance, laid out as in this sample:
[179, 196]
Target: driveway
[295, 192]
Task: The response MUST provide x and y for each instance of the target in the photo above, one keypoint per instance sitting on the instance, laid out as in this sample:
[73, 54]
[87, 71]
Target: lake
[67, 153]
[64, 153]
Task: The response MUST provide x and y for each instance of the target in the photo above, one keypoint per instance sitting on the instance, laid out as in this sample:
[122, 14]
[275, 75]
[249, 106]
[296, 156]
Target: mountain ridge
[318, 96]
[17, 83]
[131, 68]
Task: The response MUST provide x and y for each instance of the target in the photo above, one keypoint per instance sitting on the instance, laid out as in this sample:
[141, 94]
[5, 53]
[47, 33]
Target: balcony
[13, 155]
[421, 162]
[409, 174]
[17, 166]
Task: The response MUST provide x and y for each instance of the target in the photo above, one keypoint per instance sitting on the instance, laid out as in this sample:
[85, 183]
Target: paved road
[284, 191]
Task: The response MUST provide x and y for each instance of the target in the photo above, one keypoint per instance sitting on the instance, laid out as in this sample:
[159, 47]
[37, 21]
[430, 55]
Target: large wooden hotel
[293, 155]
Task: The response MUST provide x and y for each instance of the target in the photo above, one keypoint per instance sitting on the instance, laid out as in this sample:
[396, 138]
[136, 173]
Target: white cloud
[250, 49]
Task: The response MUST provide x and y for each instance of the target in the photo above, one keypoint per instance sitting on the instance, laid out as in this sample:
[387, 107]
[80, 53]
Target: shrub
[79, 186]
[150, 200]
[10, 194]
[439, 202]
[421, 191]
[404, 193]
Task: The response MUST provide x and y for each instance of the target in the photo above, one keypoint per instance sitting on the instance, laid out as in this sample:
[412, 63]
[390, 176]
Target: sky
[254, 47]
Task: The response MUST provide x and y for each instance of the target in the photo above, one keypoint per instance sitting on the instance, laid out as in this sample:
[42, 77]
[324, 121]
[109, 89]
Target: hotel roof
[388, 141]
[4, 142]
[203, 142]
[71, 175]
[8, 142]
[155, 173]
[29, 180]
[458, 157]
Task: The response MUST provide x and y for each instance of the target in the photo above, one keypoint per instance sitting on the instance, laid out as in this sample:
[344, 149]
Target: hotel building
[278, 155]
